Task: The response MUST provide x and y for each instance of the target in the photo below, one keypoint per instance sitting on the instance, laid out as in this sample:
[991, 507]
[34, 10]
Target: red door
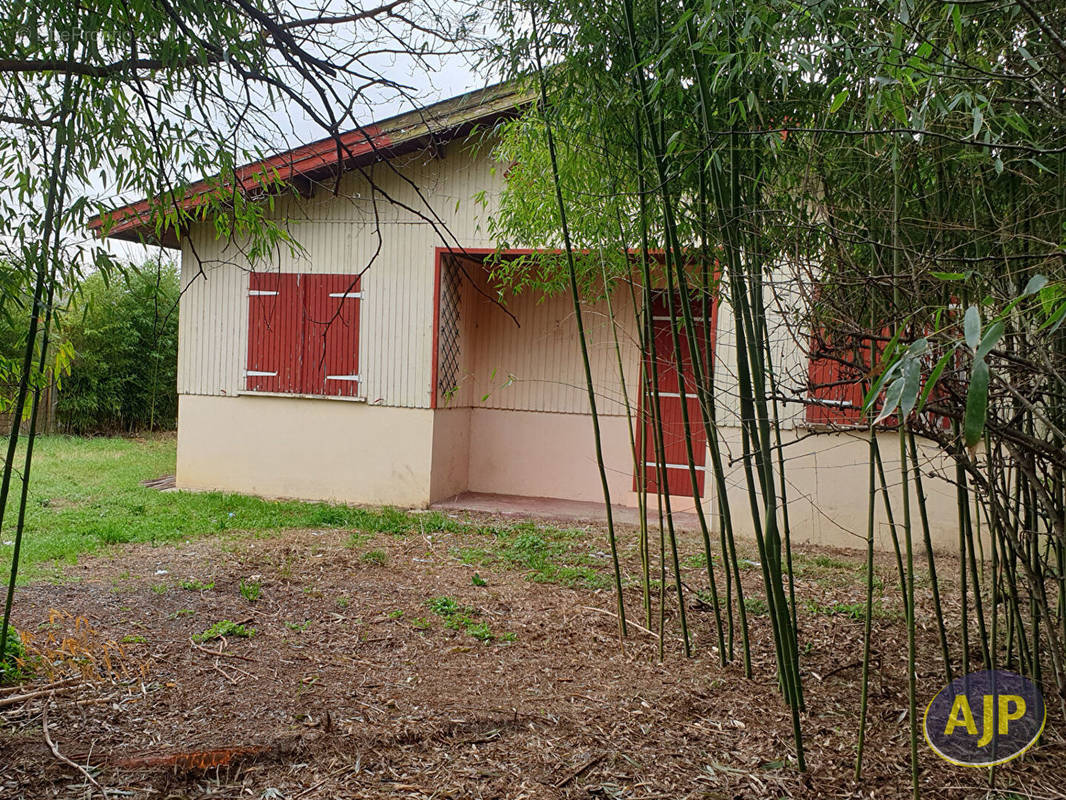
[671, 378]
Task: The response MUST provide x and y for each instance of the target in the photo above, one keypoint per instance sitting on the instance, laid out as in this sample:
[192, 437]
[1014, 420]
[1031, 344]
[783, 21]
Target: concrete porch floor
[553, 509]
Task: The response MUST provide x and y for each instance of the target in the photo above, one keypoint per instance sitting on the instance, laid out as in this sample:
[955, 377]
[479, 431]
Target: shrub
[124, 337]
[13, 661]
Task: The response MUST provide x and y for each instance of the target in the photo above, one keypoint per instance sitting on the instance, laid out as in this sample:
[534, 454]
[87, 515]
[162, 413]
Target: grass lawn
[85, 495]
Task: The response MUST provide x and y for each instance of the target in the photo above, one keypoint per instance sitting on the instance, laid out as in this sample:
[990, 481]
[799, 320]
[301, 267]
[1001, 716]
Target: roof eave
[404, 133]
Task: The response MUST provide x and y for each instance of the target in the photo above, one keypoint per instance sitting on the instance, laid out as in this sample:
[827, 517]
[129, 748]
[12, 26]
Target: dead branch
[60, 757]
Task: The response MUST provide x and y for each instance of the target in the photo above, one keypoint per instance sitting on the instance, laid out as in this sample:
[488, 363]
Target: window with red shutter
[331, 335]
[837, 379]
[273, 325]
[303, 334]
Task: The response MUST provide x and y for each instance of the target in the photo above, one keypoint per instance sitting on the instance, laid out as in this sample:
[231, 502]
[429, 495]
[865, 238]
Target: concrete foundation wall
[311, 449]
[354, 453]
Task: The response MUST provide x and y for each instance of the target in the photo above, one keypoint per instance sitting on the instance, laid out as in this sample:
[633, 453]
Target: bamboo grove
[880, 186]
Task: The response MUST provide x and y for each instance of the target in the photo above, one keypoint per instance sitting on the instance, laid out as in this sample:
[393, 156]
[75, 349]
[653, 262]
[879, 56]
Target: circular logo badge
[985, 718]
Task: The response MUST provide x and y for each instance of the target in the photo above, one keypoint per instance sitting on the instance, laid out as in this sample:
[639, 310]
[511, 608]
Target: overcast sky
[449, 76]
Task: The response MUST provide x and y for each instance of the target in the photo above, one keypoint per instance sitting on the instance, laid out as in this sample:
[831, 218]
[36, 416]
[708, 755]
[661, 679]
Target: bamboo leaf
[971, 327]
[1056, 319]
[890, 349]
[934, 376]
[918, 348]
[892, 397]
[976, 404]
[890, 365]
[1035, 284]
[912, 374]
[990, 339]
[875, 390]
[839, 100]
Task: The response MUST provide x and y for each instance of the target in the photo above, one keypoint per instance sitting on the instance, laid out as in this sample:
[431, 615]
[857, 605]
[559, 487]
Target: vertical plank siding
[535, 367]
[353, 231]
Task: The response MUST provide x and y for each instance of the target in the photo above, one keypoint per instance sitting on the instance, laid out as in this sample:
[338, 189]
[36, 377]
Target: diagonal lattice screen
[449, 345]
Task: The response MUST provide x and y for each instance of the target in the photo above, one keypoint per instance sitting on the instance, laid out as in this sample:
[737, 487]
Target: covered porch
[512, 427]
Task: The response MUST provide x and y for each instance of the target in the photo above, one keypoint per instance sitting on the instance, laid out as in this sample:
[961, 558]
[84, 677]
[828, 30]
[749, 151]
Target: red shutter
[837, 380]
[330, 310]
[273, 326]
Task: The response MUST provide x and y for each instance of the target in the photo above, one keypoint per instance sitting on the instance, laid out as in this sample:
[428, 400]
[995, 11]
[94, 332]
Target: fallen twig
[47, 687]
[219, 652]
[577, 773]
[232, 681]
[14, 700]
[629, 622]
[59, 756]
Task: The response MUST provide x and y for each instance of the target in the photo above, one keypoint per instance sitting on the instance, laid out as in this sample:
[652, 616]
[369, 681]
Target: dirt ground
[353, 687]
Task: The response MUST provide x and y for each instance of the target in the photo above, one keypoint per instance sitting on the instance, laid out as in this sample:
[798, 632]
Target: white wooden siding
[338, 234]
[396, 325]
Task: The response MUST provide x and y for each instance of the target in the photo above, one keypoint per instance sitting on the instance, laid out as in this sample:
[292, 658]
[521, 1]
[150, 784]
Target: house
[380, 366]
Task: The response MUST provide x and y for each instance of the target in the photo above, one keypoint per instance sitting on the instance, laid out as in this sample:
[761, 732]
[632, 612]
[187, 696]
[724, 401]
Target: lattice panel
[449, 341]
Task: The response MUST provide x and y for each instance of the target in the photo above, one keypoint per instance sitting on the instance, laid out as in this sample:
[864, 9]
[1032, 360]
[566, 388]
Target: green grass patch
[544, 553]
[813, 565]
[756, 606]
[854, 611]
[378, 557]
[458, 617]
[696, 561]
[225, 627]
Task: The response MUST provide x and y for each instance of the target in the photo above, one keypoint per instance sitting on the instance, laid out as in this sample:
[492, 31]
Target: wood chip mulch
[353, 688]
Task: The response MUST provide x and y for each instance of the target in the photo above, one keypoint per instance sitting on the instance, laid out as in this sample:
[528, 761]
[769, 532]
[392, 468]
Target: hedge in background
[124, 335]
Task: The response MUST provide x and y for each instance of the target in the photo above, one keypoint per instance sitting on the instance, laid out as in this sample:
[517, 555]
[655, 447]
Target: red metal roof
[448, 118]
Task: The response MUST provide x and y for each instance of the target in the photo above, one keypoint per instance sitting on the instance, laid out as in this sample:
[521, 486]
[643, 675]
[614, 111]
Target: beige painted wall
[539, 454]
[828, 490]
[451, 453]
[331, 450]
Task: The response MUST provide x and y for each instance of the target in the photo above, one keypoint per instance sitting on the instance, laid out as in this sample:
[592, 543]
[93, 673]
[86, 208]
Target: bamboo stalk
[579, 320]
[868, 617]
